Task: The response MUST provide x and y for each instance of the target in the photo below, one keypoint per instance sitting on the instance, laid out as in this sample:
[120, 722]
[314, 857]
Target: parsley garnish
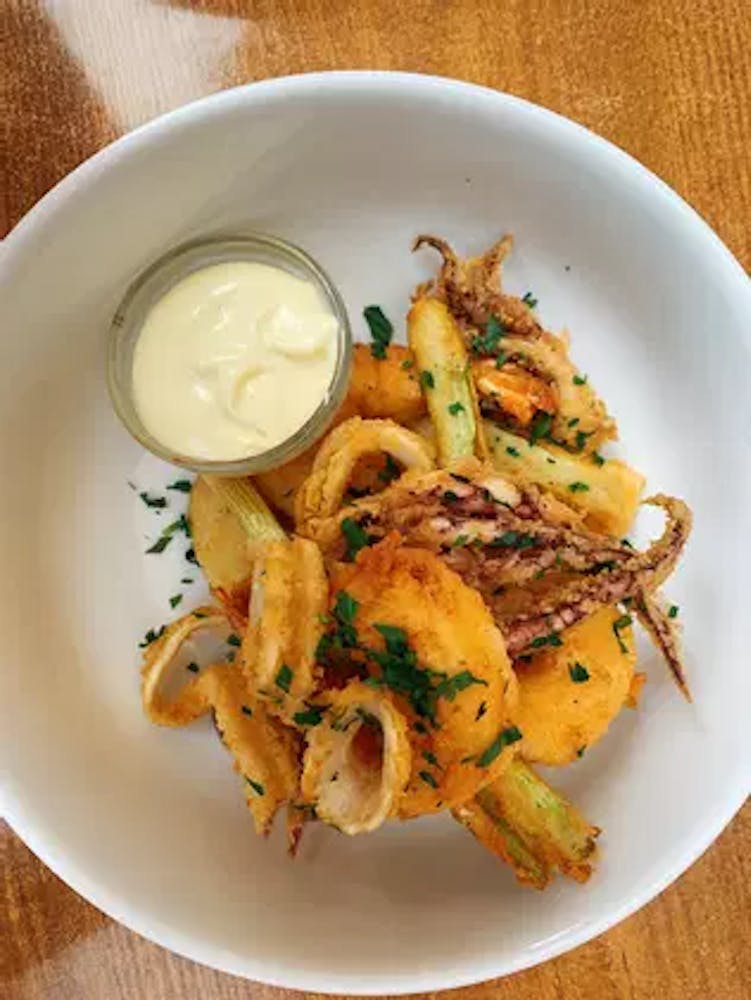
[355, 537]
[597, 458]
[487, 343]
[578, 487]
[284, 678]
[159, 545]
[578, 673]
[580, 751]
[459, 541]
[426, 380]
[256, 786]
[428, 778]
[481, 711]
[505, 738]
[390, 471]
[513, 452]
[579, 379]
[151, 636]
[246, 710]
[623, 622]
[381, 331]
[529, 300]
[187, 579]
[175, 600]
[234, 640]
[500, 359]
[673, 611]
[455, 408]
[407, 364]
[551, 639]
[450, 687]
[158, 502]
[430, 757]
[181, 485]
[450, 497]
[312, 716]
[513, 540]
[193, 667]
[540, 427]
[190, 555]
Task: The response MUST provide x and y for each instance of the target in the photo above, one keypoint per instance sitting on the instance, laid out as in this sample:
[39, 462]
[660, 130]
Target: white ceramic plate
[149, 824]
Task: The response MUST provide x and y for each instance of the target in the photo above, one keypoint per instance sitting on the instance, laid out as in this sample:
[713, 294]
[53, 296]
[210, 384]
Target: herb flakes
[505, 738]
[578, 673]
[381, 331]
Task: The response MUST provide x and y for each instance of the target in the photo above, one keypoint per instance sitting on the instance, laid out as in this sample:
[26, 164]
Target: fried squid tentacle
[656, 621]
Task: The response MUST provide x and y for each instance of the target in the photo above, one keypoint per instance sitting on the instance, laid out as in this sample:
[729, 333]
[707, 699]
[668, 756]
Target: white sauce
[233, 360]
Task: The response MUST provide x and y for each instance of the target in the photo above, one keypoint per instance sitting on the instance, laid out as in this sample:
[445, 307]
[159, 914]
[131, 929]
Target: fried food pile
[437, 595]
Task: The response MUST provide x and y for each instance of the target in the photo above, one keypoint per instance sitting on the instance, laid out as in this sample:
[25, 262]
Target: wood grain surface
[668, 80]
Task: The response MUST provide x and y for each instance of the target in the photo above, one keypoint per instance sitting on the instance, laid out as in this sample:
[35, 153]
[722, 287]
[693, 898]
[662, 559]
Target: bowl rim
[45, 843]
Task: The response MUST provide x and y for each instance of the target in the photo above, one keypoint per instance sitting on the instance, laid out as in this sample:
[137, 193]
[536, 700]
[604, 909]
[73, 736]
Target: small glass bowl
[156, 281]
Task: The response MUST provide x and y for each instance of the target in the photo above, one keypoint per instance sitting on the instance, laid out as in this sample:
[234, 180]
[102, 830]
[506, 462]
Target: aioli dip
[233, 360]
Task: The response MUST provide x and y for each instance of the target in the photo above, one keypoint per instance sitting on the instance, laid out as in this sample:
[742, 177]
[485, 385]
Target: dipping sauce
[233, 360]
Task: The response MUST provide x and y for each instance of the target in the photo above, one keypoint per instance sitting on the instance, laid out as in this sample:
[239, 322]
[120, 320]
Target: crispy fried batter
[569, 694]
[450, 631]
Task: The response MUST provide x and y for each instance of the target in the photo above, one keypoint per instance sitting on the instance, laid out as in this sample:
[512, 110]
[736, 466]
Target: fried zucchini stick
[446, 379]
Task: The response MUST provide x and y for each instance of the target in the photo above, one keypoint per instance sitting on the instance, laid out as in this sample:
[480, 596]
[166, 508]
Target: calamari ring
[158, 657]
[265, 752]
[322, 492]
[289, 599]
[358, 760]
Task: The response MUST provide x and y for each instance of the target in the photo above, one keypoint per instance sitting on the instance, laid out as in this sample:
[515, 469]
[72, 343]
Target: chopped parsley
[581, 439]
[455, 408]
[355, 536]
[500, 359]
[157, 502]
[597, 458]
[284, 678]
[551, 639]
[450, 497]
[428, 778]
[407, 364]
[256, 786]
[513, 540]
[312, 716]
[190, 555]
[181, 485]
[459, 541]
[529, 300]
[573, 422]
[192, 666]
[381, 330]
[578, 673]
[513, 452]
[580, 751]
[426, 380]
[481, 711]
[505, 738]
[390, 471]
[430, 757]
[246, 710]
[450, 687]
[151, 636]
[175, 600]
[579, 379]
[488, 342]
[540, 427]
[673, 611]
[186, 579]
[159, 545]
[578, 487]
[620, 623]
[234, 640]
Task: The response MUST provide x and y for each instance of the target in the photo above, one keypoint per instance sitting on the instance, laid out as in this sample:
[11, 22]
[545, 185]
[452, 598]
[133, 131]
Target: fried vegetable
[242, 498]
[441, 357]
[531, 826]
[512, 390]
[289, 598]
[322, 493]
[429, 639]
[386, 388]
[357, 761]
[606, 492]
[570, 693]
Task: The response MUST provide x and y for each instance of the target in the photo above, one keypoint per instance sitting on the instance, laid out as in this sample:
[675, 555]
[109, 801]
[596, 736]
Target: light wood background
[668, 80]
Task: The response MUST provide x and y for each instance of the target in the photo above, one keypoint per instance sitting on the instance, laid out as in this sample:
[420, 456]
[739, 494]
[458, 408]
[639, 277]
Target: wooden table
[669, 80]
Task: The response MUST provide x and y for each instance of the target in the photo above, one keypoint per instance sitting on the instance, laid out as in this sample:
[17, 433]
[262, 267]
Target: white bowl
[149, 824]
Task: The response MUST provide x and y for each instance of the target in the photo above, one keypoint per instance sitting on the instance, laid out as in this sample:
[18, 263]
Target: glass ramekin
[156, 281]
